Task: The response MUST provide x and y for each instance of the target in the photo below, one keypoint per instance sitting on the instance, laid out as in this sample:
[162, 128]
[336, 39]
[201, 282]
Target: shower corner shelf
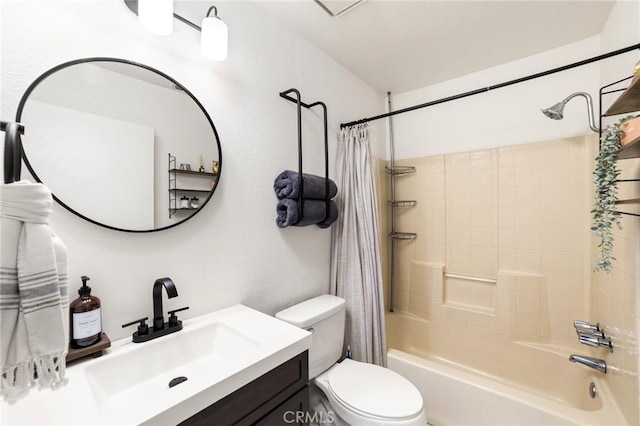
[410, 203]
[403, 235]
[400, 170]
[394, 171]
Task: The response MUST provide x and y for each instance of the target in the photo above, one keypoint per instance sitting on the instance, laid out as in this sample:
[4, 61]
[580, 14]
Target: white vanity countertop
[129, 383]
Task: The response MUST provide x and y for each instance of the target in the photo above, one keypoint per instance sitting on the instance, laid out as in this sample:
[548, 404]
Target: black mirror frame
[42, 77]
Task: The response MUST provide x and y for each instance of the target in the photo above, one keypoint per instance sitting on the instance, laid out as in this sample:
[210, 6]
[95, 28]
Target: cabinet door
[294, 411]
[254, 401]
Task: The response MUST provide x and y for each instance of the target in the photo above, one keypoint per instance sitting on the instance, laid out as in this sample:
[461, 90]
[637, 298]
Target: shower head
[556, 111]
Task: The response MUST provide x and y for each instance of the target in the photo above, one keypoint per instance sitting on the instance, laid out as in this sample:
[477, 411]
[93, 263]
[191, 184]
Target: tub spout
[595, 363]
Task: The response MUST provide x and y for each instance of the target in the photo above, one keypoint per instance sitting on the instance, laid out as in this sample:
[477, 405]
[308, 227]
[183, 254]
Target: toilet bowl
[366, 394]
[358, 393]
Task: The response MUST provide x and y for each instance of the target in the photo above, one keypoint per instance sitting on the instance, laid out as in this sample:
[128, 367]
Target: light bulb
[215, 36]
[156, 16]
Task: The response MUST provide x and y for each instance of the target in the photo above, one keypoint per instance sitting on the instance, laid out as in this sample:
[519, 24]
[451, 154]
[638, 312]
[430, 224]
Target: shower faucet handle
[584, 327]
[586, 324]
[595, 341]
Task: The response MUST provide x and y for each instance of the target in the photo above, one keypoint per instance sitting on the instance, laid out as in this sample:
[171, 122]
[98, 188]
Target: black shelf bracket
[173, 202]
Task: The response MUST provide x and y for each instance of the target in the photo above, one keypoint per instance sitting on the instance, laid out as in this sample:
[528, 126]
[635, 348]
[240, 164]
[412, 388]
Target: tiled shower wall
[503, 239]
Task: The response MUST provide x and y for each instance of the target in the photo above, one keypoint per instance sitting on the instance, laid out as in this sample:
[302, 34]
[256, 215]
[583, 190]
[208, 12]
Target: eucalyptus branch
[605, 177]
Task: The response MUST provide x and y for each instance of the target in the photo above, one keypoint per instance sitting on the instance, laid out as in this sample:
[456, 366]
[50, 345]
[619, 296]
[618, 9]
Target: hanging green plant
[605, 177]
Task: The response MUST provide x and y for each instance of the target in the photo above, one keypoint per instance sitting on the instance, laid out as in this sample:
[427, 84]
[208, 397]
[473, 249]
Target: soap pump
[86, 318]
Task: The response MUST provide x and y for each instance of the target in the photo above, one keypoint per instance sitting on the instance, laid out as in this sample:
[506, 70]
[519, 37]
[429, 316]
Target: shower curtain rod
[495, 86]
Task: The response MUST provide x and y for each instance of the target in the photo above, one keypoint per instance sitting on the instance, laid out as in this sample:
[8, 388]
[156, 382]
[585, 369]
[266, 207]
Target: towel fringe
[45, 371]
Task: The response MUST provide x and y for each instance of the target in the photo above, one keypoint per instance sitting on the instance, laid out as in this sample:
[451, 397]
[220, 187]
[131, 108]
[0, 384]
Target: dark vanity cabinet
[272, 399]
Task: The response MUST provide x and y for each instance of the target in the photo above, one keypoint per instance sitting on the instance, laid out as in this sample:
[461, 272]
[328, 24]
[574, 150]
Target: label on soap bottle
[87, 324]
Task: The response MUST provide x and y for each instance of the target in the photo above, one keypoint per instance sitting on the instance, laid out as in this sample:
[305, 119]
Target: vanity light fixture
[215, 36]
[155, 15]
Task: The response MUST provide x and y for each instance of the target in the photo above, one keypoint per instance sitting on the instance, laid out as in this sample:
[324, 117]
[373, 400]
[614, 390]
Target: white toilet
[359, 393]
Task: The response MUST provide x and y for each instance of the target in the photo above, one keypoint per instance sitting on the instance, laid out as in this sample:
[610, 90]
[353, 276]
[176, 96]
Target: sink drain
[593, 391]
[179, 380]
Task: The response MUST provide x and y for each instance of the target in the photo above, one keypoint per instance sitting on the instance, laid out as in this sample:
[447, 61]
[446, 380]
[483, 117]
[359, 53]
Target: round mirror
[120, 144]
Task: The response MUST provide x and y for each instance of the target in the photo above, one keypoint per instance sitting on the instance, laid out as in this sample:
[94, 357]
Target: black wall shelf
[173, 190]
[627, 102]
[630, 151]
[192, 172]
[189, 190]
[183, 209]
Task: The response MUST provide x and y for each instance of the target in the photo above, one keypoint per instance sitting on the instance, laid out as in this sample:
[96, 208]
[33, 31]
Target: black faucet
[160, 328]
[158, 316]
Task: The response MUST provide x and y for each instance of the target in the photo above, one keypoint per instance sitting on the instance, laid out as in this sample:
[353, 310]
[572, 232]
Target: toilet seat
[373, 392]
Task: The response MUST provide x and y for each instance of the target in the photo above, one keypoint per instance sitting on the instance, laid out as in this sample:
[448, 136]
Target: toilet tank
[324, 317]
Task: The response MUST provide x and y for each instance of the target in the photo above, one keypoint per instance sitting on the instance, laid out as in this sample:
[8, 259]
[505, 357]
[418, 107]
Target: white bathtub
[466, 379]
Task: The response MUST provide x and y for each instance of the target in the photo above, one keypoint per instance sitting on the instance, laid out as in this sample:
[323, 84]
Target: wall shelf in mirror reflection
[99, 130]
[178, 187]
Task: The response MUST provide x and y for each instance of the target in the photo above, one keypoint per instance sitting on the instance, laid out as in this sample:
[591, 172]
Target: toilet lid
[374, 391]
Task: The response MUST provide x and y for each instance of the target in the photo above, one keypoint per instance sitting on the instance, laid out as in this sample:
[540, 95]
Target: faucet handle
[586, 324]
[143, 328]
[595, 341]
[584, 327]
[173, 319]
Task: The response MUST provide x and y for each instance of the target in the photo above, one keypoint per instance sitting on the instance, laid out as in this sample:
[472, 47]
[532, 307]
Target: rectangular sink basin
[147, 368]
[217, 354]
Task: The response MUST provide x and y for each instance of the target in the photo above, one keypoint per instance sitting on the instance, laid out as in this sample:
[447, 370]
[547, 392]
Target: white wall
[500, 117]
[621, 30]
[103, 169]
[231, 252]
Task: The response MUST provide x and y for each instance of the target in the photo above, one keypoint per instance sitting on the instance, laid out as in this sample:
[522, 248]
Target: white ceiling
[397, 45]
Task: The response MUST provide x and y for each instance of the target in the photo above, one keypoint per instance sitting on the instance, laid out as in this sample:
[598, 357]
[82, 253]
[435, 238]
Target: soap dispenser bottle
[86, 318]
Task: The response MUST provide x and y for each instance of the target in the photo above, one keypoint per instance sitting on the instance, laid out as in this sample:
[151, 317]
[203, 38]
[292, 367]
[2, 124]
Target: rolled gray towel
[287, 185]
[313, 213]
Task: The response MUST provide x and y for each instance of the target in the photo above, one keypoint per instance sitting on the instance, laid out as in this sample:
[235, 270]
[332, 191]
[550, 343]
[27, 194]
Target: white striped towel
[33, 292]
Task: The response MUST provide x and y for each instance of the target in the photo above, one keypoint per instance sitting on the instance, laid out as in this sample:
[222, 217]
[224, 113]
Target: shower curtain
[356, 272]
